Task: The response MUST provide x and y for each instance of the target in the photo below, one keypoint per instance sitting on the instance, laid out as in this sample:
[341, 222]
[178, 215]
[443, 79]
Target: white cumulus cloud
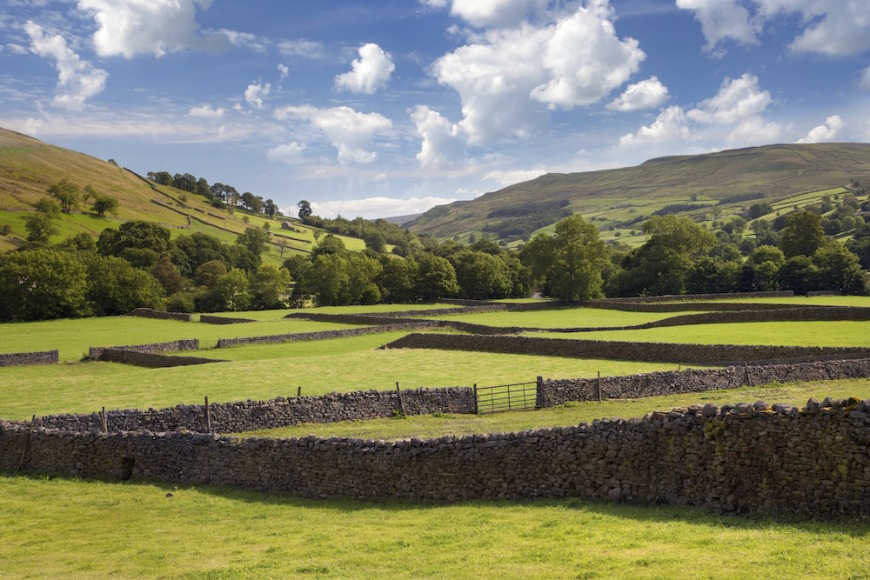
[492, 13]
[78, 80]
[287, 153]
[256, 93]
[301, 48]
[737, 100]
[351, 133]
[670, 125]
[130, 28]
[723, 19]
[829, 131]
[505, 74]
[647, 94]
[442, 140]
[370, 72]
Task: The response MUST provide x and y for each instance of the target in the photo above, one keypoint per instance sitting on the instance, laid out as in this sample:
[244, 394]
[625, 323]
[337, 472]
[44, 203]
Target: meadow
[52, 527]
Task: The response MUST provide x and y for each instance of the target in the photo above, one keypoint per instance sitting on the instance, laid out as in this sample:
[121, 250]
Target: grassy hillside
[619, 199]
[28, 167]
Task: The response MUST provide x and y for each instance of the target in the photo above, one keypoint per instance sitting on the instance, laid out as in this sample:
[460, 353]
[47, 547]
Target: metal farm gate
[515, 397]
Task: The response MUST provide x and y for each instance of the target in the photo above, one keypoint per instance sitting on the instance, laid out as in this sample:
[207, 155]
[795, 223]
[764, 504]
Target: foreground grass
[269, 371]
[74, 529]
[572, 413]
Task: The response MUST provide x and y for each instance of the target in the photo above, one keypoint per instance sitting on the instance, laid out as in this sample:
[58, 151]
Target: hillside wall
[745, 459]
[14, 359]
[325, 334]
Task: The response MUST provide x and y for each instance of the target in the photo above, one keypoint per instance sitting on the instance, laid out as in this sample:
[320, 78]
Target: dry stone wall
[749, 458]
[96, 352]
[236, 417]
[324, 334]
[14, 359]
[149, 313]
[208, 319]
[634, 351]
[152, 360]
[560, 391]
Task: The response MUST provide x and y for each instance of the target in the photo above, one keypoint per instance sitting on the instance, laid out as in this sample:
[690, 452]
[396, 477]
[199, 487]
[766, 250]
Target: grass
[269, 371]
[74, 529]
[561, 318]
[72, 337]
[841, 333]
[438, 425]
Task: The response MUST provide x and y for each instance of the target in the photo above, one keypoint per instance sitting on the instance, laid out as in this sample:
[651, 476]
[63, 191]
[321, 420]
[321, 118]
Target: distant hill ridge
[770, 172]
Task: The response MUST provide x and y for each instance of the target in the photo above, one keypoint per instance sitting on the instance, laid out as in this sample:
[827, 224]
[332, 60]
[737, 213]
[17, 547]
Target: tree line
[220, 195]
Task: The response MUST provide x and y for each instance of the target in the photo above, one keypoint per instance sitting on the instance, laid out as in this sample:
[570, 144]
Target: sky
[380, 108]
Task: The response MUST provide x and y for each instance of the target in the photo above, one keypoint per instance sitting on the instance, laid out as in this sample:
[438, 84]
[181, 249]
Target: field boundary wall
[151, 313]
[748, 458]
[208, 319]
[96, 352]
[14, 359]
[325, 334]
[711, 354]
[152, 360]
[240, 416]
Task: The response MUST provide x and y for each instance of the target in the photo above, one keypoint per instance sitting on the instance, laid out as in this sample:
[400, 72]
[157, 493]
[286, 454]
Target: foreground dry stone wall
[242, 416]
[749, 458]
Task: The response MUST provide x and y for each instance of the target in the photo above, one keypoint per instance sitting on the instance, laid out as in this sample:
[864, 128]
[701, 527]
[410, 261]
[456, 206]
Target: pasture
[66, 527]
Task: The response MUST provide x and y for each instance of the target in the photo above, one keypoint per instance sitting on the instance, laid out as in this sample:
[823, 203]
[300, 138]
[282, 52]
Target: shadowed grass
[72, 529]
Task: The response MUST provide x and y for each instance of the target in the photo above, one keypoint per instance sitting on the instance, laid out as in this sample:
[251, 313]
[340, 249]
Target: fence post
[476, 407]
[539, 396]
[299, 392]
[599, 386]
[26, 443]
[401, 399]
[104, 421]
[208, 416]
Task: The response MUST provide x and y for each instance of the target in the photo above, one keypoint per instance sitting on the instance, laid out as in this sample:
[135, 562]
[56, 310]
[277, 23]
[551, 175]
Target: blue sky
[388, 107]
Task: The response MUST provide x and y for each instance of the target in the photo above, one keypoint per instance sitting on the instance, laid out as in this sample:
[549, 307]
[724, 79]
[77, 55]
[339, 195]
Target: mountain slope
[615, 196]
[29, 166]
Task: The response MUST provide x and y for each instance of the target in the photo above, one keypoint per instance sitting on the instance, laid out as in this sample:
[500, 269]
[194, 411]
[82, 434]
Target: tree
[67, 193]
[132, 238]
[397, 278]
[839, 269]
[270, 209]
[101, 203]
[798, 274]
[803, 234]
[436, 278]
[304, 209]
[116, 287]
[233, 290]
[270, 287]
[208, 273]
[42, 284]
[661, 265]
[253, 240]
[481, 275]
[168, 275]
[329, 244]
[40, 227]
[571, 262]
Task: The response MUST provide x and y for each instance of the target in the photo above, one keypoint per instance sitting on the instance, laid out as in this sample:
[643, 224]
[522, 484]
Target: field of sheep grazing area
[345, 446]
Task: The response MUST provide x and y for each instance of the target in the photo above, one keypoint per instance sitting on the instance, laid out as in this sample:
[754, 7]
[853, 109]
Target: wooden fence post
[539, 396]
[401, 400]
[599, 386]
[104, 421]
[208, 416]
[298, 392]
[476, 407]
[26, 443]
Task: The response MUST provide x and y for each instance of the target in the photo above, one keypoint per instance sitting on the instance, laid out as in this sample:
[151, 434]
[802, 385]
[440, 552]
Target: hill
[618, 199]
[28, 167]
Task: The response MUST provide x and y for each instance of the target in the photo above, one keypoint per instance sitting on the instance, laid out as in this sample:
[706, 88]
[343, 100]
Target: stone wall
[745, 459]
[151, 359]
[14, 359]
[324, 334]
[242, 416]
[560, 391]
[633, 351]
[208, 319]
[150, 313]
[96, 352]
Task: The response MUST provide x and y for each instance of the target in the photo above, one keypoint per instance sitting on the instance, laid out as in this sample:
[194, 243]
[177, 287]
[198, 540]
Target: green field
[60, 527]
[562, 318]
